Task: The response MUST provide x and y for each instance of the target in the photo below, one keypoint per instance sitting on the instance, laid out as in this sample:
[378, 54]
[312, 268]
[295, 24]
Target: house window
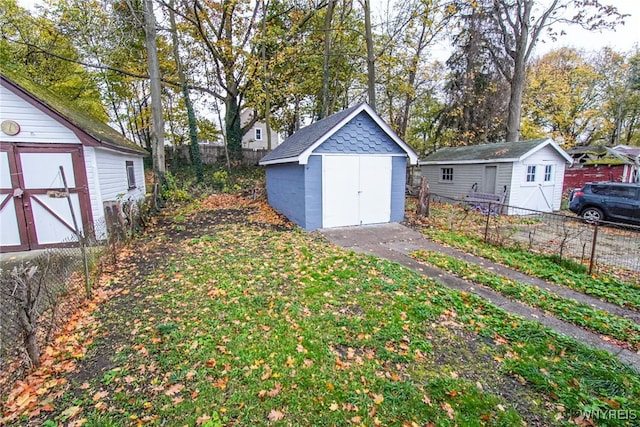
[131, 174]
[531, 174]
[547, 173]
[258, 134]
[447, 174]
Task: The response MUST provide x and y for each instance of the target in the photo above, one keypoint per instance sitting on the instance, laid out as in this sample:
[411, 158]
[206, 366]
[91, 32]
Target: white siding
[535, 195]
[95, 195]
[112, 176]
[35, 126]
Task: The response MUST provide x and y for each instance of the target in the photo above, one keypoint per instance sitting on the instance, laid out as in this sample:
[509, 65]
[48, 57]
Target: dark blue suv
[607, 201]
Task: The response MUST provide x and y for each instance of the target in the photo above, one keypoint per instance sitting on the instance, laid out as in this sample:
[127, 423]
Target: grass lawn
[625, 331]
[224, 315]
[566, 272]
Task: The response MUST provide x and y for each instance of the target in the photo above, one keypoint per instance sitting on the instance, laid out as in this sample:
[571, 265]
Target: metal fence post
[592, 261]
[486, 227]
[81, 239]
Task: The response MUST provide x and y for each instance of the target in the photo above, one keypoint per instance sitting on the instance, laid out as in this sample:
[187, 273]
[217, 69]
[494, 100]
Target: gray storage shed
[346, 169]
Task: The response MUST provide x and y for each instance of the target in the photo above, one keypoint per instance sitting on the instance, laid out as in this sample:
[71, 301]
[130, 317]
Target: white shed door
[34, 208]
[356, 190]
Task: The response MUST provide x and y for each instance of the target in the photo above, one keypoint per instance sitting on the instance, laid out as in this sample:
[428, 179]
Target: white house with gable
[256, 138]
[43, 143]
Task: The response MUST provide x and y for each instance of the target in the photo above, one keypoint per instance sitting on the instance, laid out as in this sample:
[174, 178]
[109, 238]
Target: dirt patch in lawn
[461, 354]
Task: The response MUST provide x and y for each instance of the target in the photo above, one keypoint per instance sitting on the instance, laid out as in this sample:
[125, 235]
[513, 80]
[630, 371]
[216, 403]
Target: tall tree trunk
[232, 108]
[413, 71]
[266, 77]
[515, 99]
[371, 68]
[233, 128]
[194, 147]
[326, 101]
[157, 124]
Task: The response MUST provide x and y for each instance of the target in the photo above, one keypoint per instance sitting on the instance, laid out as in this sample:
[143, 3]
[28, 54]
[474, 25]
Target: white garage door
[356, 190]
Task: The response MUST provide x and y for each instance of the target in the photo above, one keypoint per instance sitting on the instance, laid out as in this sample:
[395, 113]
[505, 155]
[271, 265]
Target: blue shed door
[356, 190]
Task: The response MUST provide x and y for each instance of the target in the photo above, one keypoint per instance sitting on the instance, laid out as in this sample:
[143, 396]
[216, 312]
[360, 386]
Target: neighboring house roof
[586, 151]
[627, 150]
[503, 152]
[299, 146]
[90, 131]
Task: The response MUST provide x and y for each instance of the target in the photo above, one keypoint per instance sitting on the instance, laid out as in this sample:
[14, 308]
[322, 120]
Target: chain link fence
[40, 289]
[602, 247]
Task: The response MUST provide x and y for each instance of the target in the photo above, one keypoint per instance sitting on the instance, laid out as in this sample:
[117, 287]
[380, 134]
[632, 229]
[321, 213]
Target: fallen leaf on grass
[99, 395]
[71, 412]
[449, 410]
[275, 415]
[267, 372]
[377, 398]
[174, 389]
[202, 419]
[274, 391]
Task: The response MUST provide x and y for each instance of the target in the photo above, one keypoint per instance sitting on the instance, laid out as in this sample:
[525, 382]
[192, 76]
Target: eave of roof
[90, 131]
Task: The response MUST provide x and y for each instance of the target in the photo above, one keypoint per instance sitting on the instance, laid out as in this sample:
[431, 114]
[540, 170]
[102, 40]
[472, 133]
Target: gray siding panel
[464, 176]
[286, 190]
[398, 182]
[313, 193]
[360, 136]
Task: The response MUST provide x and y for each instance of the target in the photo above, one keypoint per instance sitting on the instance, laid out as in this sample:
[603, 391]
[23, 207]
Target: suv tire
[592, 215]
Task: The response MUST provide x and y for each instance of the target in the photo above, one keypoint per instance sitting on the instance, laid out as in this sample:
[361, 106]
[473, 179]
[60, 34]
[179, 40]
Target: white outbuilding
[42, 141]
[525, 174]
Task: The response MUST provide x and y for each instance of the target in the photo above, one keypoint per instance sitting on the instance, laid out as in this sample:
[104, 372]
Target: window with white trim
[258, 134]
[131, 174]
[531, 173]
[547, 173]
[447, 174]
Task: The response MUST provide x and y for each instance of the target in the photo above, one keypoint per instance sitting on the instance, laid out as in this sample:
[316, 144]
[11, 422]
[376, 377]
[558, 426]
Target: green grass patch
[561, 272]
[572, 311]
[255, 327]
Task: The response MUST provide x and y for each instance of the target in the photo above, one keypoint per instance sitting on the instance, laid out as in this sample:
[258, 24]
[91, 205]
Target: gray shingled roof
[498, 151]
[100, 132]
[304, 138]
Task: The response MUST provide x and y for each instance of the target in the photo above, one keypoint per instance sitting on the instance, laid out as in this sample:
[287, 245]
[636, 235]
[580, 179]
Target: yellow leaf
[333, 407]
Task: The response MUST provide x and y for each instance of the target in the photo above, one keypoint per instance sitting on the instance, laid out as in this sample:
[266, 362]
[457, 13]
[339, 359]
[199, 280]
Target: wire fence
[602, 246]
[40, 289]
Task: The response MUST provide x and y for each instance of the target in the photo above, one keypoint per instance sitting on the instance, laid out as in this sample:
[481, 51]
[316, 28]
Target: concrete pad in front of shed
[366, 235]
